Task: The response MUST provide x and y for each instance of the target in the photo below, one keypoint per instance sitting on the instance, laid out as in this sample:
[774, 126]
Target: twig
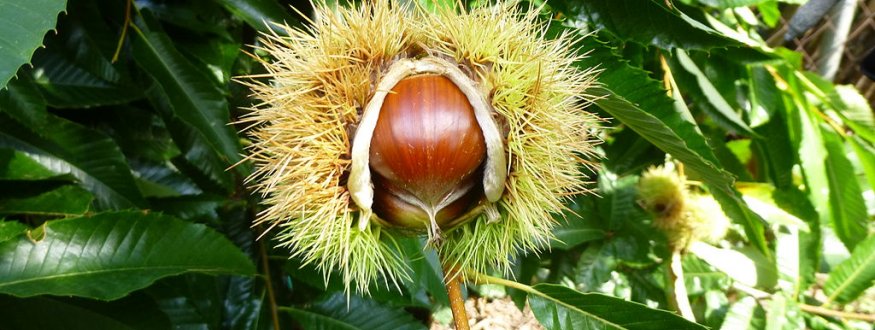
[840, 314]
[762, 295]
[121, 39]
[271, 298]
[457, 304]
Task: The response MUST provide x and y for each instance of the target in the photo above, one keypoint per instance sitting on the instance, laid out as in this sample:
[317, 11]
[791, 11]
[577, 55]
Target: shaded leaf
[336, 312]
[92, 158]
[22, 27]
[21, 99]
[65, 200]
[564, 308]
[16, 165]
[260, 14]
[108, 255]
[193, 97]
[129, 313]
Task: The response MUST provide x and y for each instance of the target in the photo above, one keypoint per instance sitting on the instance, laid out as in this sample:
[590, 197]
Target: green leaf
[198, 160]
[16, 165]
[854, 110]
[717, 106]
[743, 314]
[723, 4]
[192, 95]
[22, 100]
[424, 263]
[260, 14]
[65, 200]
[648, 22]
[564, 308]
[189, 300]
[66, 147]
[853, 276]
[130, 313]
[68, 84]
[866, 155]
[22, 27]
[10, 229]
[108, 255]
[338, 312]
[663, 136]
[846, 205]
[744, 265]
[639, 102]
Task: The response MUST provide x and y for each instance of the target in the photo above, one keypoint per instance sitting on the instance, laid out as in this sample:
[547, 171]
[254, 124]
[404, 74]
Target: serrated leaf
[564, 308]
[663, 27]
[75, 70]
[67, 84]
[854, 110]
[108, 255]
[193, 96]
[22, 27]
[199, 161]
[130, 313]
[92, 158]
[336, 312]
[719, 109]
[638, 101]
[846, 205]
[853, 276]
[866, 155]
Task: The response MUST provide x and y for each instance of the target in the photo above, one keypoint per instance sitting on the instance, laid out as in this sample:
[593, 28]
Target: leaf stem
[486, 279]
[271, 298]
[453, 282]
[676, 288]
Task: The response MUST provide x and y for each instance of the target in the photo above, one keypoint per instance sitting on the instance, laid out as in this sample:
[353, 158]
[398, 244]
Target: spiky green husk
[662, 191]
[683, 216]
[322, 77]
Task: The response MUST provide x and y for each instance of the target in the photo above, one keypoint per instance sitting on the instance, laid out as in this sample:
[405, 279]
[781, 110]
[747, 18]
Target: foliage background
[121, 208]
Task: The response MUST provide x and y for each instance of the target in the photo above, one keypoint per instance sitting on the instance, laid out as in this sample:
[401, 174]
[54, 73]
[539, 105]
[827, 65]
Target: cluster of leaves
[121, 207]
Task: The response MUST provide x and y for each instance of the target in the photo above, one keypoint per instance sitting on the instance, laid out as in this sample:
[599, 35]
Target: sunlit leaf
[853, 276]
[746, 266]
[564, 308]
[92, 158]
